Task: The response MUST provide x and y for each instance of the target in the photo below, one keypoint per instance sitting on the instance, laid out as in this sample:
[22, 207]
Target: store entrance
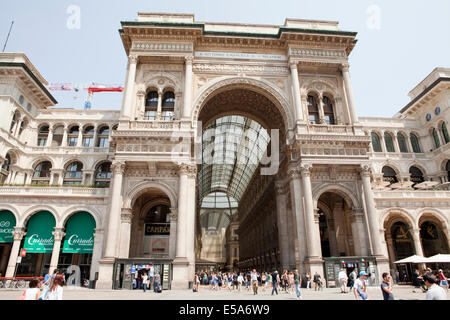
[127, 272]
[333, 266]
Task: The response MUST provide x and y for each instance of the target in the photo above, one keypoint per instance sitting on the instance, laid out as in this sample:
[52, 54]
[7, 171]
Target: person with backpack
[317, 281]
[360, 288]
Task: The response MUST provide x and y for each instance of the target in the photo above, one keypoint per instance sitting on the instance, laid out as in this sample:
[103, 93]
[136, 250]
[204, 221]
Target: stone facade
[331, 177]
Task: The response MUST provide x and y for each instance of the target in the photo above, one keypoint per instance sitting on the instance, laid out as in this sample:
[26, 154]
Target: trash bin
[191, 284]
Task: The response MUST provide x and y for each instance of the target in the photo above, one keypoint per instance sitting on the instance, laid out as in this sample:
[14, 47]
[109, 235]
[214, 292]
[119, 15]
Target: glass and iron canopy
[232, 148]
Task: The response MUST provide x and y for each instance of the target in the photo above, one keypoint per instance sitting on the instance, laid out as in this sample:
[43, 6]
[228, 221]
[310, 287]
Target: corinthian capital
[18, 233]
[132, 58]
[345, 67]
[306, 169]
[58, 234]
[188, 169]
[126, 215]
[118, 167]
[294, 172]
[364, 170]
[189, 59]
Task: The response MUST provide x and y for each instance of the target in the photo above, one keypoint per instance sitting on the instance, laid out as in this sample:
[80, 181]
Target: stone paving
[72, 293]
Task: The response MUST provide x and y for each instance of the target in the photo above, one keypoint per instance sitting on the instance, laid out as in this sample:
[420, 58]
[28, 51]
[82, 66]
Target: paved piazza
[400, 293]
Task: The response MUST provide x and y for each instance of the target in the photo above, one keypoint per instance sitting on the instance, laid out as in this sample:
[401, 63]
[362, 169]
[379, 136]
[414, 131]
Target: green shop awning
[7, 224]
[39, 238]
[79, 236]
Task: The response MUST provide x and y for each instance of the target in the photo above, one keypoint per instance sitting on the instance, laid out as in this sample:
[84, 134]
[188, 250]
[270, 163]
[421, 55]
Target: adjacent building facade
[236, 145]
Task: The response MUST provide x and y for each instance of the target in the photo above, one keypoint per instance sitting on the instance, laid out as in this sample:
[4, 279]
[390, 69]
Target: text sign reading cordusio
[240, 55]
[7, 224]
[79, 236]
[39, 238]
[157, 229]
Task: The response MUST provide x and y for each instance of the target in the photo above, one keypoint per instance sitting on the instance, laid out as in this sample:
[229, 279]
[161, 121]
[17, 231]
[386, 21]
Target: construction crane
[91, 88]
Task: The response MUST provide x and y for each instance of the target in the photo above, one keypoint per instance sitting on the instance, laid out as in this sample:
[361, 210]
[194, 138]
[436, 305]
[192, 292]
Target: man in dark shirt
[386, 287]
[275, 282]
[317, 280]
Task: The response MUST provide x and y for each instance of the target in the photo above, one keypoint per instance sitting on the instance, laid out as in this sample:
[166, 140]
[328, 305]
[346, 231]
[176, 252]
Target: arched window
[402, 143]
[73, 173]
[376, 145]
[437, 142]
[158, 214]
[328, 111]
[416, 175]
[433, 239]
[41, 173]
[389, 143]
[72, 137]
[415, 143]
[23, 125]
[5, 168]
[88, 136]
[401, 240]
[14, 120]
[21, 99]
[389, 174]
[168, 106]
[103, 175]
[43, 135]
[58, 134]
[445, 132]
[151, 105]
[313, 110]
[103, 137]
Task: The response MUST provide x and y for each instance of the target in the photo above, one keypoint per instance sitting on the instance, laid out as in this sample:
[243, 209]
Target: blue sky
[399, 42]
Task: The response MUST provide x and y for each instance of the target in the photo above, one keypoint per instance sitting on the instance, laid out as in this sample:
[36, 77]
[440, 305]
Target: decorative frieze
[239, 68]
[162, 46]
[322, 53]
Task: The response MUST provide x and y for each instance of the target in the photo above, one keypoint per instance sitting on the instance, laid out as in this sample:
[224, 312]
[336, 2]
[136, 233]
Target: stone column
[159, 107]
[332, 237]
[173, 232]
[50, 137]
[80, 135]
[282, 223]
[314, 249]
[94, 143]
[358, 232]
[125, 232]
[317, 230]
[395, 140]
[18, 234]
[349, 92]
[391, 252]
[181, 275]
[58, 235]
[408, 143]
[292, 239]
[187, 88]
[371, 212]
[140, 106]
[321, 113]
[297, 208]
[416, 241]
[96, 252]
[129, 89]
[296, 87]
[190, 232]
[64, 138]
[118, 168]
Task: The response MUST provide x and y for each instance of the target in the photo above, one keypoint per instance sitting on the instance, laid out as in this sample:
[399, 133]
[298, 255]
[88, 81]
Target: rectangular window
[87, 142]
[72, 141]
[42, 142]
[103, 143]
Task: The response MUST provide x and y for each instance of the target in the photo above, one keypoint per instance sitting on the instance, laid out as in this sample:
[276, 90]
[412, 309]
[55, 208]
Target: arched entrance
[432, 238]
[7, 224]
[238, 118]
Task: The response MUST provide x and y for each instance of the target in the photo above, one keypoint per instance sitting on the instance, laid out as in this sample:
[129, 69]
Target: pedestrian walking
[297, 284]
[197, 282]
[145, 281]
[269, 280]
[56, 288]
[156, 282]
[386, 287]
[360, 287]
[352, 278]
[263, 281]
[434, 291]
[151, 276]
[317, 281]
[240, 281]
[275, 282]
[342, 277]
[254, 279]
[31, 293]
[291, 282]
[308, 280]
[443, 282]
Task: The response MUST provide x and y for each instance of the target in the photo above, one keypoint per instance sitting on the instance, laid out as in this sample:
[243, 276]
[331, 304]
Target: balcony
[53, 191]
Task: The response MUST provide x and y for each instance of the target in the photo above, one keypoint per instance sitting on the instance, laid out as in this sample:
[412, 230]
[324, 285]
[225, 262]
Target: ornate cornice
[162, 46]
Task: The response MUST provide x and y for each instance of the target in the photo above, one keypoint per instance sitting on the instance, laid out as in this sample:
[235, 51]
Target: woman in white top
[144, 281]
[56, 288]
[33, 292]
[240, 280]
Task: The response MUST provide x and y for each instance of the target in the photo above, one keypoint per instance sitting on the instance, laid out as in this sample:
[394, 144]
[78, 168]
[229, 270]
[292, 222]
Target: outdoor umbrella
[413, 259]
[439, 258]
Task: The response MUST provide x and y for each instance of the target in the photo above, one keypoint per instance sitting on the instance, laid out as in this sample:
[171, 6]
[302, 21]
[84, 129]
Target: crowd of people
[50, 288]
[436, 285]
[147, 279]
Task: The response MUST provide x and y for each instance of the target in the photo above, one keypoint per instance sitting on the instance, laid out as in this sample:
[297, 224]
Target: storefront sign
[79, 236]
[157, 229]
[159, 245]
[7, 224]
[39, 238]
